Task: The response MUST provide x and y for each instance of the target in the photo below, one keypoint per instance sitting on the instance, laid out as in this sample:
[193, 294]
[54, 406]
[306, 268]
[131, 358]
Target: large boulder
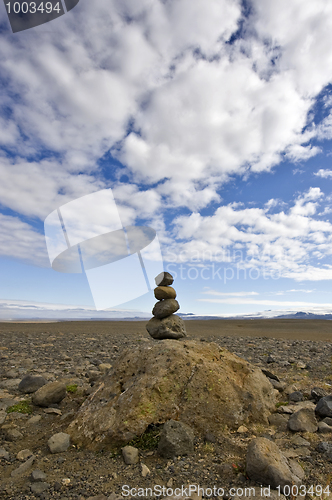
[200, 384]
[171, 327]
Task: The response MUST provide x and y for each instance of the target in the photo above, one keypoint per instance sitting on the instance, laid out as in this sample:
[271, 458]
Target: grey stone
[13, 434]
[279, 421]
[38, 488]
[38, 476]
[165, 308]
[4, 454]
[317, 393]
[164, 279]
[130, 455]
[176, 439]
[296, 396]
[3, 416]
[10, 383]
[59, 442]
[270, 375]
[324, 407]
[324, 428]
[266, 464]
[325, 448]
[296, 469]
[280, 386]
[303, 420]
[53, 392]
[31, 383]
[171, 327]
[327, 420]
[23, 468]
[299, 441]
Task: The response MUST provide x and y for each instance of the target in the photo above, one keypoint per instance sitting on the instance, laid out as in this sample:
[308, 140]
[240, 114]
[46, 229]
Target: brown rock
[164, 292]
[164, 279]
[171, 327]
[303, 420]
[165, 308]
[51, 393]
[172, 380]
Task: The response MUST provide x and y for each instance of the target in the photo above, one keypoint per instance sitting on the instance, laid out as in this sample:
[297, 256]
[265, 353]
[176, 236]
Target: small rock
[4, 454]
[299, 441]
[24, 455]
[53, 392]
[164, 279]
[171, 327]
[317, 393]
[54, 411]
[103, 367]
[13, 434]
[59, 442]
[164, 292]
[3, 416]
[279, 421]
[325, 448]
[296, 469]
[130, 455]
[303, 420]
[145, 471]
[176, 439]
[324, 428]
[301, 365]
[242, 429]
[164, 308]
[65, 481]
[280, 386]
[296, 396]
[31, 383]
[38, 488]
[266, 464]
[38, 476]
[24, 467]
[34, 420]
[270, 375]
[324, 406]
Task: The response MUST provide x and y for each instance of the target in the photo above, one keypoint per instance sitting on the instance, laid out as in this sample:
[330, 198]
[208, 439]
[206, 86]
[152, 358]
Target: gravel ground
[73, 352]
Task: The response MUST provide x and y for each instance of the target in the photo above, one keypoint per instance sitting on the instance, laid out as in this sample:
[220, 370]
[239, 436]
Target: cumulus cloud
[167, 89]
[324, 173]
[291, 243]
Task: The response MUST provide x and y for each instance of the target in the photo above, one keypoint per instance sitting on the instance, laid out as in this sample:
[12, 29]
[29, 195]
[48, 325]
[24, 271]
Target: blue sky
[210, 122]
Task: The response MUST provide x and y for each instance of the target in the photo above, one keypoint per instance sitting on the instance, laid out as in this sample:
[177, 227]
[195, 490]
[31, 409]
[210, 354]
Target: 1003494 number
[302, 490]
[32, 7]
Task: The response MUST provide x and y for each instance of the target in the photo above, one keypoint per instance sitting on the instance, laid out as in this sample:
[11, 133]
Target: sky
[208, 121]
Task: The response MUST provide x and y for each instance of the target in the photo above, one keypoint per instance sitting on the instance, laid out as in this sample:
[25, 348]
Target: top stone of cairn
[164, 279]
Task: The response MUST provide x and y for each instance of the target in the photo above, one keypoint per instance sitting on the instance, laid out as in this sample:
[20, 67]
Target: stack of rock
[165, 324]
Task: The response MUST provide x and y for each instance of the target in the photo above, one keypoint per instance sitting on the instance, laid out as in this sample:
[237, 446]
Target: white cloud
[324, 173]
[19, 240]
[290, 243]
[155, 83]
[277, 303]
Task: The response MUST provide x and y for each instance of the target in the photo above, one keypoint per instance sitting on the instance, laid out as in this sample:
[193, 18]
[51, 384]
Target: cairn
[165, 324]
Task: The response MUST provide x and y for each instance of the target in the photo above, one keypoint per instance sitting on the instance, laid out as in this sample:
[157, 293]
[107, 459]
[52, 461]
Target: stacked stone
[165, 324]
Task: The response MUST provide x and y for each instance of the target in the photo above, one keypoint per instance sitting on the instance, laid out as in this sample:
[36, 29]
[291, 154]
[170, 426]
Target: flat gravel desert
[296, 356]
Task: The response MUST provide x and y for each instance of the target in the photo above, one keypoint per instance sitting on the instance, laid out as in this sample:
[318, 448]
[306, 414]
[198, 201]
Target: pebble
[130, 455]
[24, 455]
[59, 442]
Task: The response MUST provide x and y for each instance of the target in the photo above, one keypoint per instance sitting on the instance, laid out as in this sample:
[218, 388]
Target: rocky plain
[88, 407]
